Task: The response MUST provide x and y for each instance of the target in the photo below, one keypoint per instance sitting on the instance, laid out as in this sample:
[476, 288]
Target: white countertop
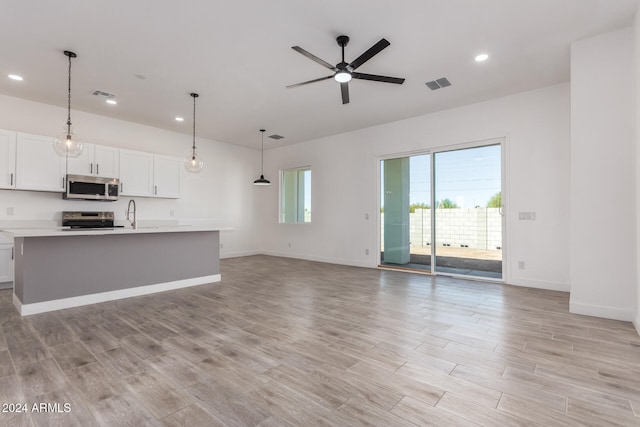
[66, 231]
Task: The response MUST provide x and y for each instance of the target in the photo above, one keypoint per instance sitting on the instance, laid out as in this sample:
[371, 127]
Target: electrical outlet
[366, 251]
[527, 216]
[11, 211]
[366, 216]
[521, 265]
[172, 213]
[289, 244]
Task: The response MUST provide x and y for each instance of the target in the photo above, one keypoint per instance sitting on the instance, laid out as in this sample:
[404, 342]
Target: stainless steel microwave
[91, 188]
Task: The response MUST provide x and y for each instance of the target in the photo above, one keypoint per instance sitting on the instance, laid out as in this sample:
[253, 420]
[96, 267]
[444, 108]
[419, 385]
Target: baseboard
[613, 313]
[59, 304]
[328, 260]
[239, 254]
[636, 322]
[540, 284]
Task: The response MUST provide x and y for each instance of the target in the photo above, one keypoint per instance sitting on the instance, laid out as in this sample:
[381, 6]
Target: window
[295, 195]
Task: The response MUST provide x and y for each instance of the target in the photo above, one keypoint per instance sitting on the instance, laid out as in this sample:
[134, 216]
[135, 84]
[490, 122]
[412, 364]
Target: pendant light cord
[69, 101]
[193, 152]
[262, 157]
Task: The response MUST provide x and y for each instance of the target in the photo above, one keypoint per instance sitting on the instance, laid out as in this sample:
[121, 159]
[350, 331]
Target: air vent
[439, 83]
[276, 136]
[102, 93]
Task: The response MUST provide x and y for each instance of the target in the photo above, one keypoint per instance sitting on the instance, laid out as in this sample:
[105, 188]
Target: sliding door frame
[503, 142]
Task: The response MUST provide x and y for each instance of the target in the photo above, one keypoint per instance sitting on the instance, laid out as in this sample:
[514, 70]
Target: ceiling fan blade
[376, 78]
[373, 51]
[312, 57]
[310, 81]
[344, 88]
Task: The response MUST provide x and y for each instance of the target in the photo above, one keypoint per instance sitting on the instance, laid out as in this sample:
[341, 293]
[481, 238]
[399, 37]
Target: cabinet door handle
[155, 191]
[121, 186]
[12, 253]
[97, 168]
[63, 184]
[11, 179]
[91, 168]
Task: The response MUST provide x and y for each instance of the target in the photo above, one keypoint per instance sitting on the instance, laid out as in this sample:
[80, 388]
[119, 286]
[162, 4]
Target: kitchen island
[61, 268]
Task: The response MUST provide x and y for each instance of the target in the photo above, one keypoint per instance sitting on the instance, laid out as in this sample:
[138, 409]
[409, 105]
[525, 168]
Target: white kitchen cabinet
[107, 161]
[6, 263]
[38, 167]
[166, 176]
[96, 160]
[7, 159]
[136, 173]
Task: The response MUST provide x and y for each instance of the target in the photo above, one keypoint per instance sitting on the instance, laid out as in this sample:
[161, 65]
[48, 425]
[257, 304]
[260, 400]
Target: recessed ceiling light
[482, 57]
[111, 101]
[179, 119]
[15, 77]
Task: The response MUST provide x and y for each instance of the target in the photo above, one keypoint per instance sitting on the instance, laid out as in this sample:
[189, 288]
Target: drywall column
[396, 211]
[602, 226]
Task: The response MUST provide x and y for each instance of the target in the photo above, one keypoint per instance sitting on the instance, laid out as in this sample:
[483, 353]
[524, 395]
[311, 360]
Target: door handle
[155, 190]
[97, 168]
[91, 168]
[11, 179]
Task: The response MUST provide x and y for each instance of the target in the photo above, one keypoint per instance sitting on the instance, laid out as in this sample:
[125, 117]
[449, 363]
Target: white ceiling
[237, 55]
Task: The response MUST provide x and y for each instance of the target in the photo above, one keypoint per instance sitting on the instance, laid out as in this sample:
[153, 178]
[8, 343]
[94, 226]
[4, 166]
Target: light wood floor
[283, 342]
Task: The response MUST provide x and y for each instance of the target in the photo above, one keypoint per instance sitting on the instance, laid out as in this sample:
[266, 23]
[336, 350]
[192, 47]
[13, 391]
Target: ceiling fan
[344, 72]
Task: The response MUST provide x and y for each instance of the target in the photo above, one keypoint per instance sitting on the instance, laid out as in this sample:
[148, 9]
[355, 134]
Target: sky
[468, 177]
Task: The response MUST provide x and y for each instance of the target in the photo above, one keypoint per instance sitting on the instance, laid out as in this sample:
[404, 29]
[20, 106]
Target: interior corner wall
[603, 206]
[636, 82]
[222, 194]
[345, 167]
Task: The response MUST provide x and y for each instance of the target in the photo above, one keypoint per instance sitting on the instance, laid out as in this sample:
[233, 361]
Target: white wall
[222, 193]
[636, 83]
[603, 241]
[345, 187]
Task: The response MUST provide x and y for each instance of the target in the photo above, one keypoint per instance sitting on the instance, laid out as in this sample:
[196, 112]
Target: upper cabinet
[7, 159]
[166, 176]
[96, 160]
[28, 162]
[136, 173]
[149, 175]
[107, 161]
[38, 167]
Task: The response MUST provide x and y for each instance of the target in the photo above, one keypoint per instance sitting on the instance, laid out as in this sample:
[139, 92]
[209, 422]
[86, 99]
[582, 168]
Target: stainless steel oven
[83, 220]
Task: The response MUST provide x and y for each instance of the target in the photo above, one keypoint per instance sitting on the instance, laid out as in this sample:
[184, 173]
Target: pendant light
[193, 163]
[262, 180]
[67, 143]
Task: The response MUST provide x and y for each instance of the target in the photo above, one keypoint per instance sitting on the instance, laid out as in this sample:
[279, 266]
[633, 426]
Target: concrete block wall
[478, 228]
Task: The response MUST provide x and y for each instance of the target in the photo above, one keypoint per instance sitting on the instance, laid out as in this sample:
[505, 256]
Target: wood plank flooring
[284, 342]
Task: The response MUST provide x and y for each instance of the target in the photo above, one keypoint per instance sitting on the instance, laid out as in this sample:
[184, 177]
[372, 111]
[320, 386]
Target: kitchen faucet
[133, 223]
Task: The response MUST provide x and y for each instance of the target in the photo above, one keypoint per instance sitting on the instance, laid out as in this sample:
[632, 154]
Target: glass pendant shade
[193, 163]
[66, 143]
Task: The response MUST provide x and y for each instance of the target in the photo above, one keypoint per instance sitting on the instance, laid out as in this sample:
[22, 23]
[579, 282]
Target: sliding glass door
[468, 211]
[405, 212]
[442, 212]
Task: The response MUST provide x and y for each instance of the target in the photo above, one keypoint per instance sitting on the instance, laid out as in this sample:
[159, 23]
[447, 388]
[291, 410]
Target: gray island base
[64, 268]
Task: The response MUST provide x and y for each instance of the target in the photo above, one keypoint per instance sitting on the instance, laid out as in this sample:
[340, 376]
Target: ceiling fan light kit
[344, 72]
